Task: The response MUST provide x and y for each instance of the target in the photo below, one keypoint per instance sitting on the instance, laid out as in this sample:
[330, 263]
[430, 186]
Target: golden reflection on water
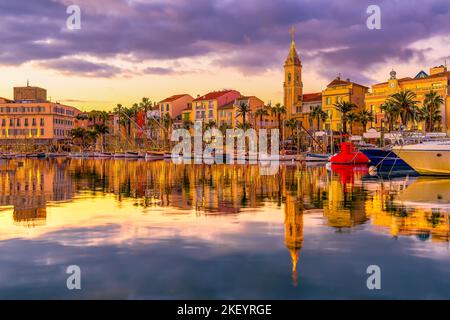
[157, 200]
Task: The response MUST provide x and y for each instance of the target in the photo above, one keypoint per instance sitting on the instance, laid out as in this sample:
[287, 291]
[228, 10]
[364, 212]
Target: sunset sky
[128, 49]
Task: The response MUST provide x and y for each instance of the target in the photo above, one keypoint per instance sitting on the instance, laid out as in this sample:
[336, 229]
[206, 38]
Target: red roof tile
[310, 97]
[174, 98]
[213, 95]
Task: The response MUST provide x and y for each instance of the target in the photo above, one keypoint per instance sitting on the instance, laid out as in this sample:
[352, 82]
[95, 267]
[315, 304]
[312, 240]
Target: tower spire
[292, 32]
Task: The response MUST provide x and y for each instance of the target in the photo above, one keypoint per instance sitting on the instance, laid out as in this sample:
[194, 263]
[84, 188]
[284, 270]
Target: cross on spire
[292, 32]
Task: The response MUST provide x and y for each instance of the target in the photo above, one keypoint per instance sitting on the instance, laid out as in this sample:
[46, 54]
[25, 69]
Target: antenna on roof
[28, 83]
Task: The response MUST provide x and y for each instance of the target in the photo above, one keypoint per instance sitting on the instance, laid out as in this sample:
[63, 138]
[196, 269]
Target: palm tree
[166, 124]
[344, 108]
[210, 124]
[391, 112]
[406, 103]
[187, 124]
[322, 115]
[279, 111]
[78, 136]
[364, 117]
[293, 125]
[102, 130]
[244, 126]
[224, 127]
[431, 112]
[91, 137]
[103, 116]
[242, 111]
[261, 113]
[351, 119]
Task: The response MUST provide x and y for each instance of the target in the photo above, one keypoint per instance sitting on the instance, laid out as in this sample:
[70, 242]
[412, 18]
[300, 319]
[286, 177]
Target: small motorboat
[348, 156]
[317, 157]
[104, 155]
[154, 155]
[119, 155]
[290, 155]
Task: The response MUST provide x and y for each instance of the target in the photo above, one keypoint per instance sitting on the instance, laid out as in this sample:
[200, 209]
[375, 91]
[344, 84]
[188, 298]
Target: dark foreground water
[155, 230]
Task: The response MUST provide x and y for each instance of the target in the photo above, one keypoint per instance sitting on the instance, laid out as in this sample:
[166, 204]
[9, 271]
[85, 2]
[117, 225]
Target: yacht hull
[432, 161]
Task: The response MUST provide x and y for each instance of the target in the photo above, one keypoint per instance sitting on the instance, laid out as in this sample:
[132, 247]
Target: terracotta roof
[213, 95]
[229, 105]
[338, 81]
[174, 98]
[310, 97]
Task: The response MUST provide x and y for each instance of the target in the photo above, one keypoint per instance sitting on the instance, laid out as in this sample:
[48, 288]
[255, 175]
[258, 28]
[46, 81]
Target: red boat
[349, 156]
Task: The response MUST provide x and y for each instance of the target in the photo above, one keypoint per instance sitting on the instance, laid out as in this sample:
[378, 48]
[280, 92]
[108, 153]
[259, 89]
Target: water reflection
[232, 212]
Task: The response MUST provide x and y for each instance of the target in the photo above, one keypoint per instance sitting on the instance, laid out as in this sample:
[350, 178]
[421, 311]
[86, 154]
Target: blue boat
[385, 159]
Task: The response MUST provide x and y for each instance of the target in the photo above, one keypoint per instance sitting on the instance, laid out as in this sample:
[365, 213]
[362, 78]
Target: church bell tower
[293, 85]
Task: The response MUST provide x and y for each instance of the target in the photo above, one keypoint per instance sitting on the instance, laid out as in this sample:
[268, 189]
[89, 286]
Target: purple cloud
[235, 30]
[82, 67]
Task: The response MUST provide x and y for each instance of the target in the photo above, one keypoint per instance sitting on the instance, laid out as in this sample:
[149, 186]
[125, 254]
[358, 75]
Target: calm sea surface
[156, 230]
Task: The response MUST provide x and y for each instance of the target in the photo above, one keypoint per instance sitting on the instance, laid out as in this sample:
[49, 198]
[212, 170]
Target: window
[42, 121]
[26, 122]
[3, 122]
[33, 123]
[328, 100]
[42, 131]
[167, 107]
[11, 122]
[18, 122]
[210, 114]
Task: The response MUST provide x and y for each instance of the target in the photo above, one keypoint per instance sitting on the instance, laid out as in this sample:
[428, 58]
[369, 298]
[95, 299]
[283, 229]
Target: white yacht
[427, 158]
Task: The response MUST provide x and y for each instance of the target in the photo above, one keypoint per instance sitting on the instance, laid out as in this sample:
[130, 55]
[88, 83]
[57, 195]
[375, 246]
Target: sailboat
[427, 158]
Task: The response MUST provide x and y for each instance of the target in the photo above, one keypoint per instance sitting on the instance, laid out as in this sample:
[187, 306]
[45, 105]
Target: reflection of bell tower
[293, 85]
[293, 231]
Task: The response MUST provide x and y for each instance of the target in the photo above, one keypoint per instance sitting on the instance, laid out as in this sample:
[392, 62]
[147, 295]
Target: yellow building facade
[340, 91]
[438, 80]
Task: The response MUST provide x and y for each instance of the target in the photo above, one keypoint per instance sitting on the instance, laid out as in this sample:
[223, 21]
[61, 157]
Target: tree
[364, 117]
[78, 136]
[261, 113]
[242, 111]
[293, 125]
[210, 124]
[351, 119]
[391, 112]
[187, 124]
[431, 112]
[278, 111]
[102, 130]
[91, 137]
[406, 103]
[344, 107]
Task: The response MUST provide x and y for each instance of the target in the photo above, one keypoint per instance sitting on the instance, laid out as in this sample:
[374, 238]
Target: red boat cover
[349, 156]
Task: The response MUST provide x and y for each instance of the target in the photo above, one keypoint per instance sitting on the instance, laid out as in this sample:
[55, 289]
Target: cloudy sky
[128, 49]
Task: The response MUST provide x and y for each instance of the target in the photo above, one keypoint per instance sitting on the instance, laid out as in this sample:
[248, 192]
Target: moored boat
[317, 157]
[428, 158]
[385, 159]
[348, 156]
[154, 155]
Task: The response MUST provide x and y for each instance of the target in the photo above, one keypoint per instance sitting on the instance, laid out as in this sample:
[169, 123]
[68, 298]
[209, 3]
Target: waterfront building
[229, 113]
[340, 90]
[205, 108]
[174, 105]
[437, 80]
[30, 119]
[310, 101]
